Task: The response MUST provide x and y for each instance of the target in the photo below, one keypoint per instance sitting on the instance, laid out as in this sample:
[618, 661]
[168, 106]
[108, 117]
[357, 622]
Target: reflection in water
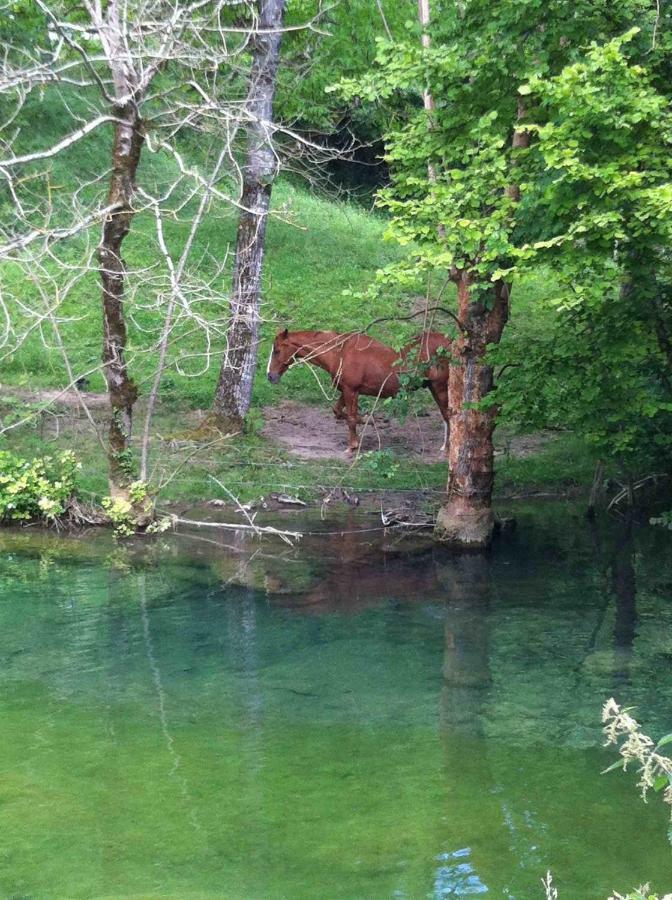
[356, 572]
[455, 877]
[161, 701]
[624, 589]
[350, 718]
[466, 581]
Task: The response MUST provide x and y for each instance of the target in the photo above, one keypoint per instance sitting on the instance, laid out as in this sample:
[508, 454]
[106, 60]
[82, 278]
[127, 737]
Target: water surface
[357, 717]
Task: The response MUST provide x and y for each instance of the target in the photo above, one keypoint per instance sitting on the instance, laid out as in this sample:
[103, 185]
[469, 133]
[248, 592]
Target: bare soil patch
[312, 432]
[54, 397]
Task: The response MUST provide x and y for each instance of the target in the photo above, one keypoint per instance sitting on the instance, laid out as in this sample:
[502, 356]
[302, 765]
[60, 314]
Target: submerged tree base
[466, 529]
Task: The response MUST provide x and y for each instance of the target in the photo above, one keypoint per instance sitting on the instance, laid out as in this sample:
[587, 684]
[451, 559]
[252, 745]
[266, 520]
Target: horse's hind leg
[351, 399]
[440, 394]
[341, 414]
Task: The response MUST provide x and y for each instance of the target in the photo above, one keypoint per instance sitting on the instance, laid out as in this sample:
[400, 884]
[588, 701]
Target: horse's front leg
[351, 399]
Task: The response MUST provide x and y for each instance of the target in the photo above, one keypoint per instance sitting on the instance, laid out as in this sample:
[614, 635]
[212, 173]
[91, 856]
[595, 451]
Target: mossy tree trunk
[122, 392]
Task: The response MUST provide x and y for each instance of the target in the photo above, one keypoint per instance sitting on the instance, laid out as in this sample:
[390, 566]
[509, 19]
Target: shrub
[39, 488]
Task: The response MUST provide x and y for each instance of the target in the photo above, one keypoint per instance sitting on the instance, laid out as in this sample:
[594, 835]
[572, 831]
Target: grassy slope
[316, 250]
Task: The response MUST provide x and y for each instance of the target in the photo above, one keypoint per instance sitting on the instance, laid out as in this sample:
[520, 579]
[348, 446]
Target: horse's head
[281, 358]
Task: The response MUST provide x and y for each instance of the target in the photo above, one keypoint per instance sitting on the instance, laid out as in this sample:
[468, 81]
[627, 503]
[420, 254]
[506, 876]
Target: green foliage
[600, 179]
[642, 893]
[605, 145]
[313, 59]
[596, 202]
[120, 513]
[380, 462]
[596, 371]
[39, 488]
[126, 462]
[474, 78]
[126, 513]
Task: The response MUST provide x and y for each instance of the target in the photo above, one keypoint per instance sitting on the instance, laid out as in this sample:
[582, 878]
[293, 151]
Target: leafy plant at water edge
[653, 768]
[642, 893]
[128, 513]
[36, 489]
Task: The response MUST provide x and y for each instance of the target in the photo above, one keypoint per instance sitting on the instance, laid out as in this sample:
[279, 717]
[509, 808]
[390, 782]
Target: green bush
[39, 488]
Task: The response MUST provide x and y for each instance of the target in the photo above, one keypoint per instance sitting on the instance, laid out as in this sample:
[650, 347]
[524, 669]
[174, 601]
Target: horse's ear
[285, 334]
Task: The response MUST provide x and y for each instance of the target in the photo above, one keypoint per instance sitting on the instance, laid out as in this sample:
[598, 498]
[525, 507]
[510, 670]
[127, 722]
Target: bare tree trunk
[466, 520]
[128, 140]
[423, 17]
[234, 388]
[427, 98]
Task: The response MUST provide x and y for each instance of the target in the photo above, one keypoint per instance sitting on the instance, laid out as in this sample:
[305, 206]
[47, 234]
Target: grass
[321, 255]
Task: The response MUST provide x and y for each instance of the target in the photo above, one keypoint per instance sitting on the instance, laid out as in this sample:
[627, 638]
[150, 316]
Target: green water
[352, 718]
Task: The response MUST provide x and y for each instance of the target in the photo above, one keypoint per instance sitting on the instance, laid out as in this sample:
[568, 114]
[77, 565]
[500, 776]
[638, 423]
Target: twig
[422, 312]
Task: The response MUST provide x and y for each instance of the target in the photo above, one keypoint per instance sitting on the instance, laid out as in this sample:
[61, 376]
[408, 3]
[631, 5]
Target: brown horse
[359, 364]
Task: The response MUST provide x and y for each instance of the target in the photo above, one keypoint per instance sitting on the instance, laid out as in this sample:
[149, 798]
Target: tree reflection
[466, 681]
[624, 590]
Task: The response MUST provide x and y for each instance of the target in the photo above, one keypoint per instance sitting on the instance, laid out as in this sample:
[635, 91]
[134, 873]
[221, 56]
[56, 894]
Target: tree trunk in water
[466, 520]
[234, 388]
[122, 392]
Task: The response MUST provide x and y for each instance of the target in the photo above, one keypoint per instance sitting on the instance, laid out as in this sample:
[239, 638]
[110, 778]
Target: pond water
[356, 717]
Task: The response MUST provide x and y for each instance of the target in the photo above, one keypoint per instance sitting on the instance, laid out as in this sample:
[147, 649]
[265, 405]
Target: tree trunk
[424, 15]
[234, 388]
[466, 520]
[122, 392]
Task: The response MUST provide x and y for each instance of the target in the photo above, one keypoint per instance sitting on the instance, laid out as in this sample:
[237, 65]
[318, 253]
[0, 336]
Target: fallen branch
[287, 536]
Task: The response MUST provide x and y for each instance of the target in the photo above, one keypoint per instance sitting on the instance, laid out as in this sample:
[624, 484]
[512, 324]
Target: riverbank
[292, 449]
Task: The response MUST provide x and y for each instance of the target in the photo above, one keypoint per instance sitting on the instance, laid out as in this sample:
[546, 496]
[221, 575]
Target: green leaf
[660, 782]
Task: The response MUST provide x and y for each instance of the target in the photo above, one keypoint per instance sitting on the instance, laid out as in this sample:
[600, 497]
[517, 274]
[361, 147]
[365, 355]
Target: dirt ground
[65, 398]
[312, 432]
